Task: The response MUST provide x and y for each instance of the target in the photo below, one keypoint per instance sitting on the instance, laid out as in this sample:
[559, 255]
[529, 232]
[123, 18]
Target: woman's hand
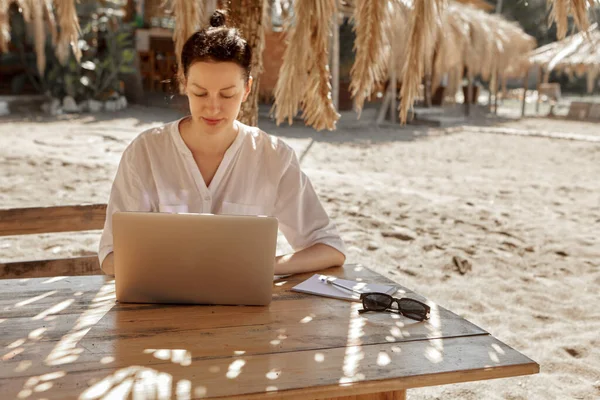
[316, 257]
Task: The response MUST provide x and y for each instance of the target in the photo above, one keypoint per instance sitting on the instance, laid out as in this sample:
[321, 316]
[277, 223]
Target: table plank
[39, 294]
[290, 375]
[210, 339]
[19, 221]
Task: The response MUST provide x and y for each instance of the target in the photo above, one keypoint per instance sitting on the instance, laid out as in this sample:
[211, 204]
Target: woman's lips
[210, 121]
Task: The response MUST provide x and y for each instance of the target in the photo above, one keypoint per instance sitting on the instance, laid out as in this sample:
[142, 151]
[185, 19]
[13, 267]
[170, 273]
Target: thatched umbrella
[410, 39]
[486, 44]
[59, 12]
[579, 53]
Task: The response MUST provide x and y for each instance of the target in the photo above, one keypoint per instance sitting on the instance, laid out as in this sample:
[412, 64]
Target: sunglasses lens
[413, 309]
[376, 301]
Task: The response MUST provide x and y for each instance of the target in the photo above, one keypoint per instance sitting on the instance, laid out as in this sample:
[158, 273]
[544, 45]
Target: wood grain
[21, 221]
[73, 266]
[290, 375]
[65, 337]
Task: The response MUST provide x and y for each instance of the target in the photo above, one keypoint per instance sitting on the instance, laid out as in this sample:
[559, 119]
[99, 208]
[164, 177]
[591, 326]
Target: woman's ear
[182, 85]
[247, 89]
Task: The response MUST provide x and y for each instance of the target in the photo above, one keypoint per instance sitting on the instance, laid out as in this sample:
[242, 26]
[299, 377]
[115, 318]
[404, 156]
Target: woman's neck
[202, 144]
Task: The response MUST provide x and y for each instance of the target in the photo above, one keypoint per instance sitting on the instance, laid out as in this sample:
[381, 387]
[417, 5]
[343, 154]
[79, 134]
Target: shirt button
[207, 198]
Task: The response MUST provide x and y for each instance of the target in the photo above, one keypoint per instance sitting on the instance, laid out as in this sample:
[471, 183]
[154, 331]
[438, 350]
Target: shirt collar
[182, 147]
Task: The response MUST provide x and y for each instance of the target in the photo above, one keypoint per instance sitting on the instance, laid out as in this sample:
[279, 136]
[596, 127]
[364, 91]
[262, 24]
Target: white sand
[523, 211]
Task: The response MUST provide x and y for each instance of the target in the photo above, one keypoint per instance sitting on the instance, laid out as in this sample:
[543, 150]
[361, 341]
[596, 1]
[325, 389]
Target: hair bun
[218, 18]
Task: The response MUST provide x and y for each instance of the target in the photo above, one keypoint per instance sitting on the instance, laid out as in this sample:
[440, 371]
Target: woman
[209, 162]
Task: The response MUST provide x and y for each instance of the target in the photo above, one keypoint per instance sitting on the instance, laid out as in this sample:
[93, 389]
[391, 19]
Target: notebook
[316, 285]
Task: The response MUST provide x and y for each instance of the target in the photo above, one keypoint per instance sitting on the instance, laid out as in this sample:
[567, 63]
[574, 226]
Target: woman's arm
[128, 193]
[108, 265]
[316, 257]
[305, 224]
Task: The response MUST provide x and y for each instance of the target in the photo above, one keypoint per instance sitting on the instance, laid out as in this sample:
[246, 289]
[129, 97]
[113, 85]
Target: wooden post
[335, 60]
[392, 86]
[428, 93]
[469, 98]
[385, 107]
[525, 85]
[496, 86]
[247, 15]
[489, 103]
[540, 71]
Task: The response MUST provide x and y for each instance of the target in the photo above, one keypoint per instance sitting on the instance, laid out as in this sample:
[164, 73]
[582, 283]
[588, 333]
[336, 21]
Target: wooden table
[66, 337]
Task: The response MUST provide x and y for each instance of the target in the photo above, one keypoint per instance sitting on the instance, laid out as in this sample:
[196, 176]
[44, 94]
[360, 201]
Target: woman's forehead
[216, 74]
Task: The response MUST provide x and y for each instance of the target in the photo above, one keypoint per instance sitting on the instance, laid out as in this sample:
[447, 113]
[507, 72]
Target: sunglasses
[410, 308]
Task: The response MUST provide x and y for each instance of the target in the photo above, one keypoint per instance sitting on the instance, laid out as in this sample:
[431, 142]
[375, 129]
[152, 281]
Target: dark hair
[217, 43]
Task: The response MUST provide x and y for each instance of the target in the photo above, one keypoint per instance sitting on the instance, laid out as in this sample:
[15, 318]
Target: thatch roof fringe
[424, 21]
[4, 28]
[304, 78]
[579, 53]
[370, 66]
[69, 30]
[560, 10]
[189, 15]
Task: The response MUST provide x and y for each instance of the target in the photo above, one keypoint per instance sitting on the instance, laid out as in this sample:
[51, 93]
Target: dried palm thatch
[579, 53]
[69, 30]
[4, 28]
[370, 65]
[451, 45]
[424, 20]
[25, 6]
[479, 58]
[397, 32]
[188, 14]
[304, 78]
[250, 17]
[516, 46]
[39, 35]
[480, 4]
[49, 15]
[560, 10]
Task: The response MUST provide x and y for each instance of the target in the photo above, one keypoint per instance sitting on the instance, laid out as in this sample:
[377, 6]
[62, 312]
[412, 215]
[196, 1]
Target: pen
[331, 281]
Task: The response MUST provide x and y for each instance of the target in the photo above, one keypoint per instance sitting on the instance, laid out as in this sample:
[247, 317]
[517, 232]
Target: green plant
[107, 50]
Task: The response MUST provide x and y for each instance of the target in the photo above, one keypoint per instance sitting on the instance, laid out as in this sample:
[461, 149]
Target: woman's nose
[213, 106]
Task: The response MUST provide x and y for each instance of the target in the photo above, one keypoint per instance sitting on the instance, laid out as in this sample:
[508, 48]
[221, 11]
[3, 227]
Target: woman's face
[216, 91]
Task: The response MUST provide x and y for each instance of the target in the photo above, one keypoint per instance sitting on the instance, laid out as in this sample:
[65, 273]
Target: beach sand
[520, 214]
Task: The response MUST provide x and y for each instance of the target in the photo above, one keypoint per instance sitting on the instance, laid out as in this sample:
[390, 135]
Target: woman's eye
[226, 97]
[200, 95]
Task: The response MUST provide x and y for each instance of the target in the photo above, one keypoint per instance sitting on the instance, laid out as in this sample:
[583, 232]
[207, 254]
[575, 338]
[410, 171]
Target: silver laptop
[194, 258]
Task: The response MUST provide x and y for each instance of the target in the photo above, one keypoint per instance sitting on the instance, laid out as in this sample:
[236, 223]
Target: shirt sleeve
[127, 194]
[302, 218]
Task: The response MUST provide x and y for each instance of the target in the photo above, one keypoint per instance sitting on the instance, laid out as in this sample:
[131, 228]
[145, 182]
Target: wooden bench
[579, 110]
[26, 221]
[549, 92]
[594, 113]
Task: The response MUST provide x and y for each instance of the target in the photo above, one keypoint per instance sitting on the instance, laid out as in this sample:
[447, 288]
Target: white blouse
[259, 175]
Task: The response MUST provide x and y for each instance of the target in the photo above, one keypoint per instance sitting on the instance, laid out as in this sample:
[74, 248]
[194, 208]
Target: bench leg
[395, 395]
